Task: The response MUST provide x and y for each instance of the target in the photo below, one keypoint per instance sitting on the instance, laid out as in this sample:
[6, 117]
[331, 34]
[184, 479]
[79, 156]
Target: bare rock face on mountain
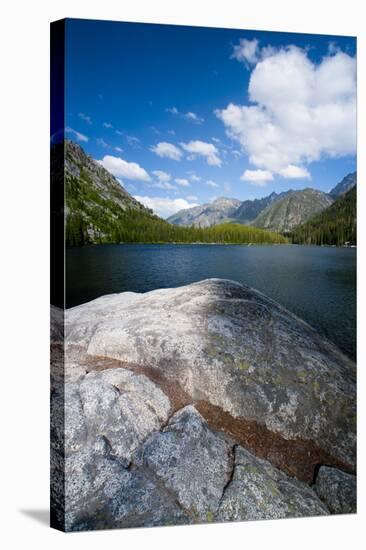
[347, 183]
[208, 402]
[205, 215]
[293, 209]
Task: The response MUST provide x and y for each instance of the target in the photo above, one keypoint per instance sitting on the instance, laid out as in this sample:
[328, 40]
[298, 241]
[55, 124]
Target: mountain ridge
[269, 212]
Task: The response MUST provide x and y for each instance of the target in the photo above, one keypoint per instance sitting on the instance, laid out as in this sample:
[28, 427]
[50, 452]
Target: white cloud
[77, 135]
[101, 142]
[299, 111]
[195, 118]
[121, 168]
[107, 125]
[203, 149]
[257, 177]
[163, 206]
[164, 185]
[192, 198]
[132, 140]
[85, 117]
[211, 183]
[247, 51]
[161, 175]
[292, 172]
[182, 181]
[189, 115]
[165, 149]
[194, 177]
[118, 149]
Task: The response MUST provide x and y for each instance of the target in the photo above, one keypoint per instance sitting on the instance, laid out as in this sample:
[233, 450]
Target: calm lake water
[317, 284]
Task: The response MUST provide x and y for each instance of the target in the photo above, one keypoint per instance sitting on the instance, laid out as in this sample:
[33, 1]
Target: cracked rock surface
[337, 489]
[260, 491]
[152, 384]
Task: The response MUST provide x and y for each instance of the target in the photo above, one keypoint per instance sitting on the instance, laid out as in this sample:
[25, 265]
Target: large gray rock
[192, 461]
[169, 402]
[337, 489]
[184, 473]
[228, 346]
[102, 494]
[260, 491]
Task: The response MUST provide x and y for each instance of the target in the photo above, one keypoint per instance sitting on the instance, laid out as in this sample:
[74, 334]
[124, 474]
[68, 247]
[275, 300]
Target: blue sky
[182, 115]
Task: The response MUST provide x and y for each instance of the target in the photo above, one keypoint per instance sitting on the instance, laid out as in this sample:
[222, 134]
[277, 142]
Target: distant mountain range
[277, 212]
[205, 215]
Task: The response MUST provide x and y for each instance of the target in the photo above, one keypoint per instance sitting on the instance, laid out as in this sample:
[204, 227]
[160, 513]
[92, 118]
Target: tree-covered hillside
[335, 225]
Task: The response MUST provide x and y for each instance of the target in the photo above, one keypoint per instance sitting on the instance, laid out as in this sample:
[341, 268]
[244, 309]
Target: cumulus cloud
[193, 176]
[172, 110]
[107, 125]
[118, 149]
[168, 150]
[203, 149]
[133, 141]
[182, 181]
[163, 180]
[189, 115]
[85, 118]
[211, 183]
[123, 169]
[164, 185]
[193, 117]
[292, 172]
[161, 175]
[299, 111]
[192, 198]
[247, 51]
[257, 177]
[102, 142]
[163, 206]
[77, 135]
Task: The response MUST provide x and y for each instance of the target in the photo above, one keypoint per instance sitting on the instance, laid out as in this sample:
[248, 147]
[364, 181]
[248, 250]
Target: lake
[316, 283]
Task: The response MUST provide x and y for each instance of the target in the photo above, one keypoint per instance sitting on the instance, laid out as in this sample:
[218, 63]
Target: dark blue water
[316, 283]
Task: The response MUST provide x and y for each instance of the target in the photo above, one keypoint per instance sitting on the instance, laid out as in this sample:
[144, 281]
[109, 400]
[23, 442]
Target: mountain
[99, 210]
[345, 185]
[95, 200]
[335, 225]
[294, 208]
[208, 214]
[250, 209]
[276, 212]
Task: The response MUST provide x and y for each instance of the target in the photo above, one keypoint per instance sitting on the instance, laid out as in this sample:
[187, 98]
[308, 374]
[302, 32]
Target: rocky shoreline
[208, 402]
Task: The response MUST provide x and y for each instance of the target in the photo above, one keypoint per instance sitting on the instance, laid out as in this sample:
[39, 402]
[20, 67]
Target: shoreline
[212, 244]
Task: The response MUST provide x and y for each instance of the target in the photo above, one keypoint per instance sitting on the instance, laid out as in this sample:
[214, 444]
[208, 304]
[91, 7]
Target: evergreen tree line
[336, 225]
[133, 226]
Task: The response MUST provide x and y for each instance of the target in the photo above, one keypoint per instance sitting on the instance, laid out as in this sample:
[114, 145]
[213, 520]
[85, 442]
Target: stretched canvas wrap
[203, 308]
